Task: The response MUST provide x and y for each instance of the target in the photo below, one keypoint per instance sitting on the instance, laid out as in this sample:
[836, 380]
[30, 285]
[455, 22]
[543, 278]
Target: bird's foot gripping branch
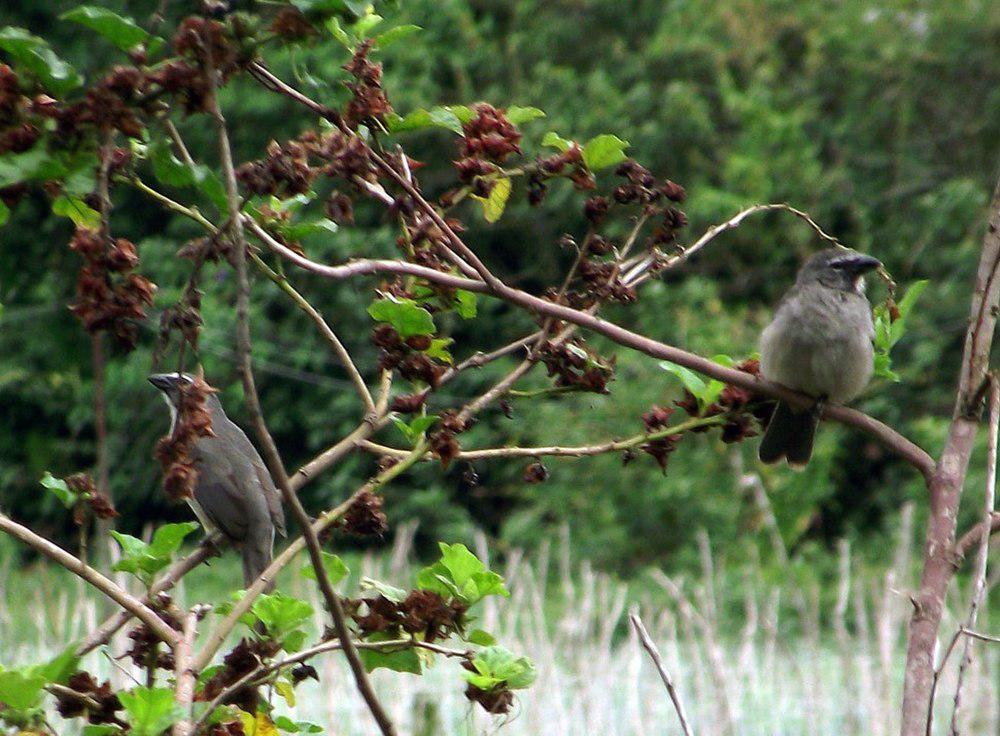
[84, 145]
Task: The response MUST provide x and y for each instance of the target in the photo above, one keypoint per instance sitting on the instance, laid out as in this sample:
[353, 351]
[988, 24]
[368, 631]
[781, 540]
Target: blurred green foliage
[881, 120]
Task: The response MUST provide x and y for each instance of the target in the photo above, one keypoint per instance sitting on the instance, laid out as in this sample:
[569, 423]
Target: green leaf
[4, 214]
[439, 349]
[58, 487]
[335, 568]
[282, 616]
[168, 538]
[122, 32]
[34, 165]
[496, 202]
[394, 594]
[603, 151]
[299, 230]
[398, 33]
[366, 23]
[554, 140]
[61, 668]
[145, 560]
[436, 117]
[460, 574]
[324, 8]
[33, 53]
[498, 667]
[416, 428]
[99, 730]
[403, 660]
[289, 726]
[464, 113]
[151, 711]
[77, 210]
[519, 115]
[173, 172]
[21, 690]
[465, 304]
[691, 380]
[481, 638]
[405, 315]
[889, 332]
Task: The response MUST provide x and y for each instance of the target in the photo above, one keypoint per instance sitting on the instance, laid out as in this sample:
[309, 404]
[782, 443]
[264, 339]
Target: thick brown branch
[946, 484]
[894, 441]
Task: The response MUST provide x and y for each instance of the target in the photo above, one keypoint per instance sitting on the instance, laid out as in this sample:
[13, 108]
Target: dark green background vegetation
[881, 119]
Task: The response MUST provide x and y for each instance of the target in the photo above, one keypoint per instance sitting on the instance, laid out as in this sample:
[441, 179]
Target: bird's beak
[862, 263]
[162, 381]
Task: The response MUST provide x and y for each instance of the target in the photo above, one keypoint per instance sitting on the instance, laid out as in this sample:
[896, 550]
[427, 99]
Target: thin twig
[654, 654]
[558, 451]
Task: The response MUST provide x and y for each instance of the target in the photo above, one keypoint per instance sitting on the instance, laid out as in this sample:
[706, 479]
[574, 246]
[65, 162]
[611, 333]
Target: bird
[819, 343]
[233, 493]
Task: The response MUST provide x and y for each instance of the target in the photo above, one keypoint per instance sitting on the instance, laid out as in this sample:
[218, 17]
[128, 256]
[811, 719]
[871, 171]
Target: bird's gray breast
[820, 343]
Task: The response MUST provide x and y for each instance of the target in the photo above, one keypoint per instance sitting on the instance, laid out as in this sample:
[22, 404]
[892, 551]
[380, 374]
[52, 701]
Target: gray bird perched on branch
[819, 343]
[233, 493]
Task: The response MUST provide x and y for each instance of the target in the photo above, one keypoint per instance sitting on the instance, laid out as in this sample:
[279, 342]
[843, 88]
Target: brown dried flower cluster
[574, 364]
[368, 99]
[173, 451]
[365, 517]
[243, 659]
[109, 295]
[99, 704]
[422, 612]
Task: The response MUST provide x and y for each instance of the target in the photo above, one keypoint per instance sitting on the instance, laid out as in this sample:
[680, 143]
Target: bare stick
[108, 587]
[555, 451]
[945, 485]
[331, 337]
[184, 676]
[713, 232]
[979, 586]
[271, 454]
[654, 654]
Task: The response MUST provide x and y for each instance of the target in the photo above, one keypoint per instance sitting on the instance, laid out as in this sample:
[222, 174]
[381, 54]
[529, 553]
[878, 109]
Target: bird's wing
[272, 495]
[240, 443]
[218, 493]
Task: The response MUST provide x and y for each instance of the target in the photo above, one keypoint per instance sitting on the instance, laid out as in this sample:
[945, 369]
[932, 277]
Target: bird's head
[838, 268]
[169, 384]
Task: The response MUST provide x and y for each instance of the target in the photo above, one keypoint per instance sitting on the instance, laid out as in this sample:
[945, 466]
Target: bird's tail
[790, 435]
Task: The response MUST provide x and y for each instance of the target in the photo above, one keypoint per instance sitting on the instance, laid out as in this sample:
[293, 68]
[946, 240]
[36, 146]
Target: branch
[184, 676]
[106, 586]
[979, 585]
[891, 439]
[975, 534]
[654, 655]
[557, 451]
[331, 337]
[632, 277]
[946, 483]
[104, 632]
[274, 461]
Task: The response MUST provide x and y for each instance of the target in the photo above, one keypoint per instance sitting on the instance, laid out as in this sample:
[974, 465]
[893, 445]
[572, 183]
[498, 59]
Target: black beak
[162, 381]
[862, 264]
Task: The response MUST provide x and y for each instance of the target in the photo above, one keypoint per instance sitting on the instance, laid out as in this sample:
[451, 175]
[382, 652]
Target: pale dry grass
[763, 659]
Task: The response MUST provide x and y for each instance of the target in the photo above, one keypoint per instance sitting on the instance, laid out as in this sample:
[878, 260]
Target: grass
[750, 656]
